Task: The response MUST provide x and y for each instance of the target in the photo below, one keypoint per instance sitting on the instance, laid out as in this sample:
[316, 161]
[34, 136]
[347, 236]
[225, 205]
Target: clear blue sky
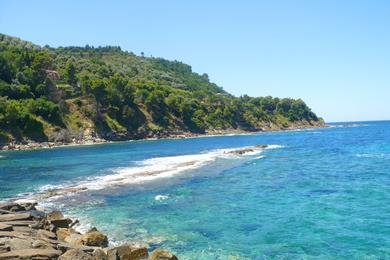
[335, 55]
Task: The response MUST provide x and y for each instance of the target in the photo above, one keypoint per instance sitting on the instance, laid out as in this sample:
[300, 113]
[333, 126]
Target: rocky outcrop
[27, 233]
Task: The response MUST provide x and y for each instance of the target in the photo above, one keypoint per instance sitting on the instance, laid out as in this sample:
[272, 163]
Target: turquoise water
[317, 194]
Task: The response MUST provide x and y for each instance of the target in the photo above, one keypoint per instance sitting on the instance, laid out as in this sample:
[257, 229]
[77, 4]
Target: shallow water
[319, 193]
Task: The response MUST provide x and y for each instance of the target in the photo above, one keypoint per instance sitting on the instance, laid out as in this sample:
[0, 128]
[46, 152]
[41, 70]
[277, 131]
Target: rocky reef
[28, 233]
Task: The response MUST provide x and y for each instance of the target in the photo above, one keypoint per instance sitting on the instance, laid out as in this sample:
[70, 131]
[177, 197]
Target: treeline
[57, 93]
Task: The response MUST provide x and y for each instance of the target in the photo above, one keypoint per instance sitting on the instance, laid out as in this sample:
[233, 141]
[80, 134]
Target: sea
[311, 194]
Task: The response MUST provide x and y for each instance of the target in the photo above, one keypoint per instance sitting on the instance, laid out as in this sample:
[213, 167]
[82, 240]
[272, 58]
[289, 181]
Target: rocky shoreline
[31, 145]
[28, 233]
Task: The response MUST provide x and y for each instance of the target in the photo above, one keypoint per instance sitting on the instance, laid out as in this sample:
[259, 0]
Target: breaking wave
[374, 155]
[149, 170]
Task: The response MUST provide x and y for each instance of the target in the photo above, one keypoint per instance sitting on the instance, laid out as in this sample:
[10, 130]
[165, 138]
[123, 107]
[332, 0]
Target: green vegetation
[60, 94]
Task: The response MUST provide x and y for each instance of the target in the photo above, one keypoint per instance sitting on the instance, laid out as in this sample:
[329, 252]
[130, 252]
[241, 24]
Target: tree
[7, 71]
[71, 73]
[98, 90]
[42, 62]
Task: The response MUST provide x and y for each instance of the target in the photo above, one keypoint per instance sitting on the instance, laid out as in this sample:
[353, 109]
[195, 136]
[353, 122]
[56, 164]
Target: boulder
[54, 215]
[161, 254]
[38, 243]
[5, 227]
[16, 208]
[95, 238]
[37, 225]
[62, 233]
[19, 223]
[127, 252]
[15, 217]
[37, 214]
[74, 239]
[31, 254]
[19, 244]
[4, 249]
[65, 247]
[46, 234]
[23, 229]
[12, 234]
[73, 254]
[262, 146]
[99, 254]
[29, 206]
[6, 206]
[60, 223]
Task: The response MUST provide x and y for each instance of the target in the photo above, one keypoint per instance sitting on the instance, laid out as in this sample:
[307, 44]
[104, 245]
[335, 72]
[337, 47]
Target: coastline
[26, 232]
[29, 231]
[32, 145]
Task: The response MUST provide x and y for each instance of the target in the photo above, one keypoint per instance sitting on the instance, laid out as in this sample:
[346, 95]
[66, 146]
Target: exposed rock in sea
[26, 233]
[261, 146]
[241, 151]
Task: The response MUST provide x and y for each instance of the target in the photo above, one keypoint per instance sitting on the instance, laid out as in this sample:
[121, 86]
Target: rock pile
[27, 233]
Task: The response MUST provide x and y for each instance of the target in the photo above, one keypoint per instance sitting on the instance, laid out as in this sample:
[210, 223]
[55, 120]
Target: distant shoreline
[31, 145]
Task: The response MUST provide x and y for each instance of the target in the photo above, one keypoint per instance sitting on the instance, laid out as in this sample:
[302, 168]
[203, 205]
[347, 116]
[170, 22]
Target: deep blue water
[321, 193]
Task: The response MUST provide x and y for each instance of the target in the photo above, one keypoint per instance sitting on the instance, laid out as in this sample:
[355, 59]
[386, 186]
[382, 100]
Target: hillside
[69, 94]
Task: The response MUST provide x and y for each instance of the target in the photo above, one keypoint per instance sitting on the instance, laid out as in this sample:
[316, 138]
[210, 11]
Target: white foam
[274, 146]
[374, 155]
[148, 170]
[154, 168]
[161, 197]
[2, 156]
